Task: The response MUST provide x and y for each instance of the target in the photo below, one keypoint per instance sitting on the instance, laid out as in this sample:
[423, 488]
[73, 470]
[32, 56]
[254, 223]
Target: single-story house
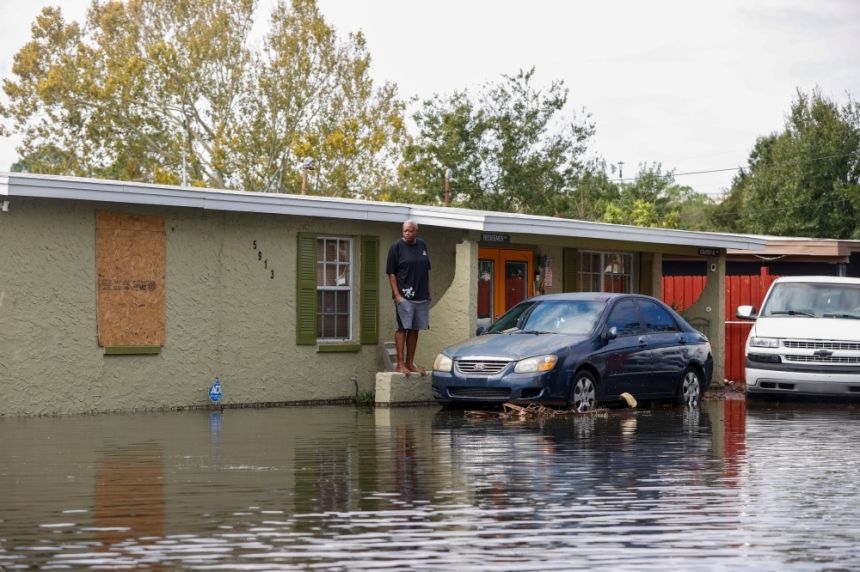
[749, 275]
[118, 296]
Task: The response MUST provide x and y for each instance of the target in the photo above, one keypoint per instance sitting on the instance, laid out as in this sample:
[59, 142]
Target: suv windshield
[817, 300]
[577, 317]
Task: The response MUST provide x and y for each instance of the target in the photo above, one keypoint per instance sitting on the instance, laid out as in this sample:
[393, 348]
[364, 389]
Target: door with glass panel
[504, 280]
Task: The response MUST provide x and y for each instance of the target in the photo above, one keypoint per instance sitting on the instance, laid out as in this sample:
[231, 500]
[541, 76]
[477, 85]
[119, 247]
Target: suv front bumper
[768, 381]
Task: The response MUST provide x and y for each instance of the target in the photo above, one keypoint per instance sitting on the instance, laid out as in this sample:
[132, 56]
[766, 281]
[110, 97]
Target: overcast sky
[690, 85]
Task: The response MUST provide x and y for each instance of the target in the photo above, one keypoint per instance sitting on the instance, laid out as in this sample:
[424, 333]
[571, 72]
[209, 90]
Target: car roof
[590, 296]
[819, 279]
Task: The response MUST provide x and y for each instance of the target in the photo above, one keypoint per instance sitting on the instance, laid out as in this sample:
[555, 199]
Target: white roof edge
[74, 188]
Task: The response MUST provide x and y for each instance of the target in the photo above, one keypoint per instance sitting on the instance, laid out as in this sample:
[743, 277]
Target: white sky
[688, 84]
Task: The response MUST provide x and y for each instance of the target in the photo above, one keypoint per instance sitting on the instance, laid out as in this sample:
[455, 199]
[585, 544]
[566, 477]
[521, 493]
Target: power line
[738, 167]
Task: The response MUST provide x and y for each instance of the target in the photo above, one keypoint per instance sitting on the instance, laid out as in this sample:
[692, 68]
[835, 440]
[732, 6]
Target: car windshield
[577, 317]
[816, 300]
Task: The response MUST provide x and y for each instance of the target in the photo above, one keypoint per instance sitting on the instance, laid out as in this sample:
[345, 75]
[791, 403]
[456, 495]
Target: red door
[503, 280]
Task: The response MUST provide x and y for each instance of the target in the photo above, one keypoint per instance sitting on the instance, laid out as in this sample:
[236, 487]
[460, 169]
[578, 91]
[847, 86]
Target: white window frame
[348, 288]
[603, 265]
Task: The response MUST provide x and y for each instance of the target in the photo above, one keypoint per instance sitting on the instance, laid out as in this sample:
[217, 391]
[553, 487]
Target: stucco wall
[226, 314]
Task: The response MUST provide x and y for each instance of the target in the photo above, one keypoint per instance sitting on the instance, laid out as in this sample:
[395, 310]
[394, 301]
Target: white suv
[806, 339]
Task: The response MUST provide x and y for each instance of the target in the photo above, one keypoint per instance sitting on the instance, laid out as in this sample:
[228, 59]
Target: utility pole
[447, 185]
[307, 165]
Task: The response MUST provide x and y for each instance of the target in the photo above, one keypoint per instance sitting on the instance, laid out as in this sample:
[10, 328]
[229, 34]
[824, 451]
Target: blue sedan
[576, 350]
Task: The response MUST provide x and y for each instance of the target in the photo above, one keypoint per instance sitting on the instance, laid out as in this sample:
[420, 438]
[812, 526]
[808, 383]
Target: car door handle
[682, 340]
[643, 342]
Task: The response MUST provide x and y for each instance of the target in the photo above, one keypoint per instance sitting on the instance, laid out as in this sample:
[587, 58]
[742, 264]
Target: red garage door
[681, 292]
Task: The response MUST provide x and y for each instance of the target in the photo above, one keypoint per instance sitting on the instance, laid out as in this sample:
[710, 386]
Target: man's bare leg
[411, 344]
[400, 338]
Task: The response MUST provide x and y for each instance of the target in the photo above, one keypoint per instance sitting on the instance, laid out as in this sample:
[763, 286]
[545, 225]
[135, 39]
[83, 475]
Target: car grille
[823, 359]
[480, 392]
[824, 345]
[481, 366]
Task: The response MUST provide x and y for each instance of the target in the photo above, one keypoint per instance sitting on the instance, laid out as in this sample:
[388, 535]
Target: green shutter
[306, 290]
[369, 290]
[570, 259]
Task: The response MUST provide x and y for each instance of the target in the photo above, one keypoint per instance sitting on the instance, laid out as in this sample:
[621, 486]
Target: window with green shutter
[326, 289]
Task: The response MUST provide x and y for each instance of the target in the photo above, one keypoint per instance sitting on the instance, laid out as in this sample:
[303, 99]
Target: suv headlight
[536, 364]
[764, 342]
[443, 363]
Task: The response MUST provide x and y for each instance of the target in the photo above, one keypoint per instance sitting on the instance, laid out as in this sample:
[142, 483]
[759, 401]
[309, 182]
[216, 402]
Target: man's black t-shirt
[411, 264]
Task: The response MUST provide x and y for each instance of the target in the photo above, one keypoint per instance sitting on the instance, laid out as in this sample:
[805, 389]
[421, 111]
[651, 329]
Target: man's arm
[395, 291]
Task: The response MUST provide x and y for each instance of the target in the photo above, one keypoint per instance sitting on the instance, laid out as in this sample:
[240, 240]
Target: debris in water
[631, 401]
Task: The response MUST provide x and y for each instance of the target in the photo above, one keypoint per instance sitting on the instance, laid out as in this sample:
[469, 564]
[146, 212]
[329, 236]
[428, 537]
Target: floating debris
[511, 410]
[533, 410]
[629, 399]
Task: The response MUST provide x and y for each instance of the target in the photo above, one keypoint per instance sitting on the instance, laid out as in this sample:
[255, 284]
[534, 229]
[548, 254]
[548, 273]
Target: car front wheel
[690, 390]
[583, 392]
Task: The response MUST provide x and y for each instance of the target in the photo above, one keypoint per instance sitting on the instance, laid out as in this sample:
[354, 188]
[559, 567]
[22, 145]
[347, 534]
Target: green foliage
[654, 199]
[511, 148]
[804, 181]
[147, 82]
[365, 398]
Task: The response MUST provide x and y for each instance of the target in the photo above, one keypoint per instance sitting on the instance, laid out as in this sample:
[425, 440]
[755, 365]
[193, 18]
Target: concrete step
[389, 355]
[393, 389]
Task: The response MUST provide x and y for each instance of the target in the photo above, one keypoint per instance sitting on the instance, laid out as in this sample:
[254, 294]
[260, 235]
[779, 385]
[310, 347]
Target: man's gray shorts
[413, 314]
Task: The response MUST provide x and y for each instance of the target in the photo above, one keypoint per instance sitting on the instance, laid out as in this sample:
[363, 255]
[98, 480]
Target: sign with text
[709, 252]
[495, 237]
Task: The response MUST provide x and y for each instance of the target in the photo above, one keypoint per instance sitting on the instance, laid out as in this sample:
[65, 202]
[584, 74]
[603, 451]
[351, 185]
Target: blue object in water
[215, 391]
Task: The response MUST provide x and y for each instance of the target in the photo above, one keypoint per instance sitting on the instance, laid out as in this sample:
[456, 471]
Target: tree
[511, 148]
[654, 199]
[148, 84]
[804, 181]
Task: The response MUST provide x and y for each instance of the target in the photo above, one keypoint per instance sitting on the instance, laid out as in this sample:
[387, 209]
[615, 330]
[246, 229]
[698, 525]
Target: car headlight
[764, 342]
[536, 364]
[443, 363]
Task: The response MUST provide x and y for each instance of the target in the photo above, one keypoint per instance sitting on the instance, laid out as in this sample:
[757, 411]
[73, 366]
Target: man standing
[408, 270]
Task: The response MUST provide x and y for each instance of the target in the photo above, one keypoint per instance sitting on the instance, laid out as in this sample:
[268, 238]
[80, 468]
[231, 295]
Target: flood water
[733, 485]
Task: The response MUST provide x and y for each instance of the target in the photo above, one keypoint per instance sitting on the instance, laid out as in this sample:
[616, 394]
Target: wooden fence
[681, 292]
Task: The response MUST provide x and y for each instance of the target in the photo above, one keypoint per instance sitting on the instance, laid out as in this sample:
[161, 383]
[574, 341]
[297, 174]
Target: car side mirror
[481, 330]
[609, 334]
[746, 313]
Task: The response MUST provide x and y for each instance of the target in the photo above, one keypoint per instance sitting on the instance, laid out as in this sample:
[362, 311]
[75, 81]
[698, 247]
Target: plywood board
[130, 267]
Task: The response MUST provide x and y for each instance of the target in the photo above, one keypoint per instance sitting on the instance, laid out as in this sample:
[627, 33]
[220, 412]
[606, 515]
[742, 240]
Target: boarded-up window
[130, 265]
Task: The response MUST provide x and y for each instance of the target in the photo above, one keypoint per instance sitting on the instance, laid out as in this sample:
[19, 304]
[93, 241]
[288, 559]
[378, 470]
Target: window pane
[331, 250]
[330, 275]
[343, 275]
[612, 264]
[343, 247]
[341, 302]
[485, 288]
[342, 327]
[320, 274]
[516, 287]
[625, 317]
[657, 319]
[327, 330]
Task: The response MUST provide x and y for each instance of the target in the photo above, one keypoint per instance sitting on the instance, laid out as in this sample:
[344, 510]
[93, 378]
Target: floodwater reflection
[734, 484]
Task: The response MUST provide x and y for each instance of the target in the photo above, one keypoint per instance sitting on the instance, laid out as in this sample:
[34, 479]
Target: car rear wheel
[690, 390]
[583, 391]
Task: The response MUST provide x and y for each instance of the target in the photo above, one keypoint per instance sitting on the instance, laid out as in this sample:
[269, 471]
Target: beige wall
[226, 316]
